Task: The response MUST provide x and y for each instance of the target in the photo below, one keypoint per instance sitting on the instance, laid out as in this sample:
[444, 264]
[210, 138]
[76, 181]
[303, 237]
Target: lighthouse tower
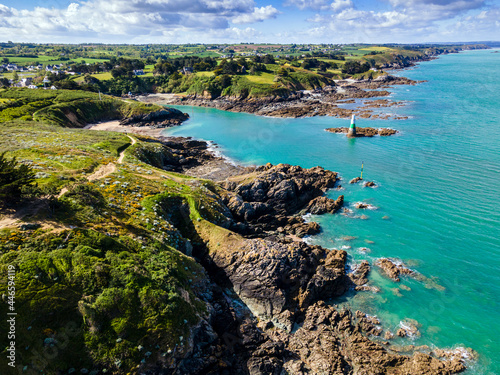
[352, 130]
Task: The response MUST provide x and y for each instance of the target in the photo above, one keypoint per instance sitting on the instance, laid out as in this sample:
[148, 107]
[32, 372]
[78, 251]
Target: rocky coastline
[268, 292]
[164, 118]
[327, 101]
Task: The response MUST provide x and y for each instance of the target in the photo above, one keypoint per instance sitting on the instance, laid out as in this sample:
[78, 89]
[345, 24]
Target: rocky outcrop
[365, 132]
[355, 180]
[408, 328]
[277, 281]
[369, 324]
[324, 101]
[269, 197]
[263, 288]
[159, 119]
[393, 269]
[321, 205]
[329, 343]
[359, 274]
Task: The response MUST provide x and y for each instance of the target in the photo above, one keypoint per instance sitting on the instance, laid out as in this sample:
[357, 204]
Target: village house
[25, 82]
[187, 70]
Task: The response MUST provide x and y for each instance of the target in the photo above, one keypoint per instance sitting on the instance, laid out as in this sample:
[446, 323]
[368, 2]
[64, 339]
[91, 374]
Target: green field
[266, 78]
[50, 60]
[204, 74]
[378, 49]
[99, 76]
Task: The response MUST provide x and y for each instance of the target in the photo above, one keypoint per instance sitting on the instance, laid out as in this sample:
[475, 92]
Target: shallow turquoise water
[438, 184]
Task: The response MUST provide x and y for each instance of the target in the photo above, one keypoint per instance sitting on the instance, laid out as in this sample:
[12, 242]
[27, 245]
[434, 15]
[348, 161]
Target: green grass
[378, 49]
[51, 60]
[262, 78]
[204, 74]
[136, 292]
[101, 284]
[71, 108]
[100, 76]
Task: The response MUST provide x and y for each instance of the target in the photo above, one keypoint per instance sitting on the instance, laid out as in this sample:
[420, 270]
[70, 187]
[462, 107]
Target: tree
[269, 59]
[4, 82]
[15, 77]
[16, 180]
[354, 67]
[282, 72]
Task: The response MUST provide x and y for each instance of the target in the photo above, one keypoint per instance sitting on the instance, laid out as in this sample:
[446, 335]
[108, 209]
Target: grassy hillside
[106, 274]
[66, 107]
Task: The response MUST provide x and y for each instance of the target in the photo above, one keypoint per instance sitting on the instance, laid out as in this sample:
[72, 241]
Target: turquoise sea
[439, 186]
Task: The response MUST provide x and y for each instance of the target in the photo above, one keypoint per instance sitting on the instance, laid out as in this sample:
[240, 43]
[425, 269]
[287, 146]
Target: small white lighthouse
[352, 130]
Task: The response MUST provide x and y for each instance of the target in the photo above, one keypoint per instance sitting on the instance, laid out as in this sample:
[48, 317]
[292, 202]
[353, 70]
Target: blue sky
[259, 21]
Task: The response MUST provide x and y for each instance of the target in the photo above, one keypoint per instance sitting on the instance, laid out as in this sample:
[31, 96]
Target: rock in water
[355, 180]
[393, 269]
[321, 205]
[364, 132]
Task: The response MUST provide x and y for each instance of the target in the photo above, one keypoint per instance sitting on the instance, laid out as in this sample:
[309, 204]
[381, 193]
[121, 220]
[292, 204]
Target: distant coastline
[365, 93]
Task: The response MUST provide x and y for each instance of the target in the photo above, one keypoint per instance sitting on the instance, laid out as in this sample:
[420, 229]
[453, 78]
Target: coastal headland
[247, 295]
[361, 96]
[157, 256]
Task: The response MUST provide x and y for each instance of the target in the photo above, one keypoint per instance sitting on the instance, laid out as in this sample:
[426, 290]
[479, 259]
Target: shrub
[86, 195]
[16, 180]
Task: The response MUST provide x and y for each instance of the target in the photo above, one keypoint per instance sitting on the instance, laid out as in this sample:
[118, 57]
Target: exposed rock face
[329, 343]
[269, 196]
[283, 188]
[158, 119]
[355, 180]
[369, 324]
[275, 280]
[359, 276]
[365, 132]
[321, 205]
[393, 269]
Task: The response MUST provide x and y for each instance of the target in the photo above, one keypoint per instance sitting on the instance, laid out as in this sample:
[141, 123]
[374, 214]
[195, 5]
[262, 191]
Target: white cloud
[181, 21]
[118, 20]
[406, 20]
[258, 15]
[309, 4]
[339, 5]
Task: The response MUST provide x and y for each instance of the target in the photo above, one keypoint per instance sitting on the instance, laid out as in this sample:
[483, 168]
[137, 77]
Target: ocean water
[437, 198]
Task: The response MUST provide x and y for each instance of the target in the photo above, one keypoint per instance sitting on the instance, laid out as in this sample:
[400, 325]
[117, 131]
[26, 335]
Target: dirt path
[103, 171]
[122, 154]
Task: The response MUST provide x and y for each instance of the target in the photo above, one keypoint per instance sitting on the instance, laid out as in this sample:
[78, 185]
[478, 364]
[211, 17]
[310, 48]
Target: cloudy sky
[234, 21]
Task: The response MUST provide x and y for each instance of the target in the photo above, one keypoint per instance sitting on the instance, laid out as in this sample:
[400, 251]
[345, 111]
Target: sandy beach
[114, 126]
